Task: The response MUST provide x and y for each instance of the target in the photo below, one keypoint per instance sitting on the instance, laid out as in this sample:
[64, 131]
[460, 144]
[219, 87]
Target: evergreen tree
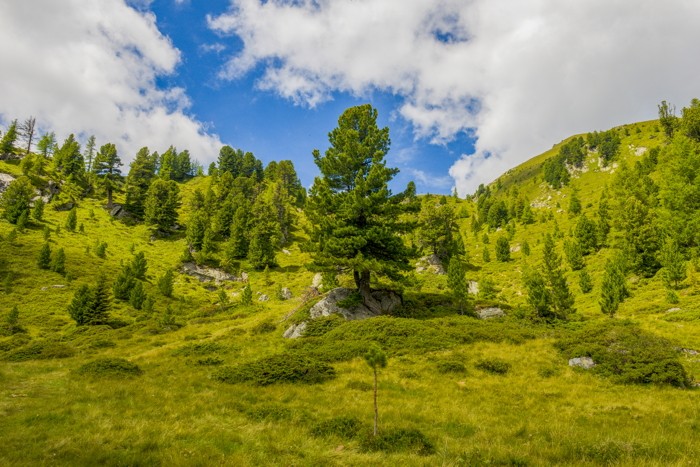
[11, 323]
[502, 249]
[457, 283]
[7, 143]
[89, 153]
[137, 297]
[165, 283]
[356, 222]
[376, 359]
[690, 121]
[247, 295]
[603, 218]
[38, 210]
[539, 296]
[139, 266]
[106, 167]
[264, 236]
[47, 144]
[437, 229]
[162, 202]
[80, 307]
[68, 160]
[123, 284]
[196, 228]
[667, 118]
[44, 260]
[562, 300]
[22, 221]
[525, 248]
[16, 199]
[141, 173]
[613, 289]
[58, 263]
[574, 203]
[72, 220]
[674, 265]
[102, 302]
[486, 256]
[166, 169]
[585, 281]
[586, 235]
[574, 254]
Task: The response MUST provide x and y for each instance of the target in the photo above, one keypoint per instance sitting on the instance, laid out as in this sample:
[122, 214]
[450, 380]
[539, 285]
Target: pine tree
[437, 229]
[38, 210]
[162, 202]
[7, 143]
[165, 283]
[502, 249]
[22, 221]
[674, 265]
[68, 160]
[47, 144]
[457, 283]
[44, 261]
[538, 295]
[139, 266]
[16, 199]
[106, 167]
[196, 228]
[102, 302]
[613, 288]
[123, 284]
[585, 281]
[263, 237]
[574, 203]
[58, 263]
[562, 300]
[237, 247]
[11, 323]
[525, 248]
[141, 173]
[486, 256]
[376, 359]
[137, 297]
[587, 235]
[247, 295]
[80, 307]
[89, 153]
[355, 220]
[72, 220]
[574, 254]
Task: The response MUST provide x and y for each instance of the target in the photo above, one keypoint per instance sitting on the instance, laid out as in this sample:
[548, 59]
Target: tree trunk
[109, 197]
[362, 279]
[376, 409]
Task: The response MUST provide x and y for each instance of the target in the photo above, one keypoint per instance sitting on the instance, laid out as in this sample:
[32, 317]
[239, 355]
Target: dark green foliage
[141, 173]
[123, 284]
[38, 210]
[626, 353]
[502, 249]
[548, 291]
[15, 201]
[264, 237]
[450, 366]
[674, 265]
[247, 295]
[585, 281]
[165, 283]
[457, 282]
[525, 248]
[72, 220]
[196, 228]
[91, 305]
[106, 168]
[44, 260]
[574, 203]
[486, 256]
[343, 427]
[587, 235]
[7, 143]
[69, 161]
[40, 350]
[11, 324]
[399, 440]
[667, 118]
[608, 146]
[356, 222]
[278, 369]
[101, 249]
[139, 266]
[690, 121]
[613, 289]
[574, 254]
[494, 366]
[161, 204]
[46, 233]
[555, 172]
[437, 229]
[22, 221]
[58, 262]
[137, 296]
[117, 368]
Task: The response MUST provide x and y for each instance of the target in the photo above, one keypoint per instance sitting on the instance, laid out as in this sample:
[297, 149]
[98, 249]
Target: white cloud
[520, 74]
[91, 67]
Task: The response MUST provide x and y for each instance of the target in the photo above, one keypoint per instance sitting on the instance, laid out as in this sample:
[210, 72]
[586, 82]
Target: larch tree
[27, 130]
[142, 170]
[356, 220]
[106, 167]
[162, 202]
[7, 143]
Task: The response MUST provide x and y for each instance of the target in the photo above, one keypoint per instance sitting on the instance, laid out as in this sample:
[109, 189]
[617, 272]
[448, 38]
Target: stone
[263, 298]
[490, 312]
[286, 252]
[388, 302]
[317, 281]
[285, 293]
[295, 330]
[430, 263]
[673, 310]
[5, 180]
[206, 274]
[582, 362]
[473, 287]
[56, 286]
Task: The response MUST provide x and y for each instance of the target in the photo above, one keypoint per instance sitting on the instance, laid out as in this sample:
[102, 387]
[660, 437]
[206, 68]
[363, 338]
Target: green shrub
[320, 326]
[199, 348]
[398, 440]
[14, 342]
[626, 353]
[342, 427]
[109, 368]
[40, 350]
[267, 412]
[450, 366]
[281, 368]
[494, 366]
[209, 361]
[359, 386]
[264, 328]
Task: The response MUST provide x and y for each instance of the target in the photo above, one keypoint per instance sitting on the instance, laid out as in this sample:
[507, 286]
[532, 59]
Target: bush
[450, 366]
[264, 328]
[342, 427]
[110, 368]
[359, 386]
[627, 354]
[398, 440]
[198, 349]
[320, 326]
[494, 366]
[265, 412]
[40, 350]
[281, 368]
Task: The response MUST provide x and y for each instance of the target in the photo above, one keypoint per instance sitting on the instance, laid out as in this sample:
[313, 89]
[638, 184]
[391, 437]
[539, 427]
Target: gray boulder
[430, 263]
[285, 293]
[5, 180]
[491, 312]
[388, 301]
[317, 281]
[295, 330]
[582, 362]
[207, 274]
[263, 298]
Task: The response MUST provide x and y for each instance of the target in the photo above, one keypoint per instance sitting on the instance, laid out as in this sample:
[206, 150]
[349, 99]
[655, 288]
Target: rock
[56, 286]
[673, 310]
[64, 207]
[515, 249]
[388, 301]
[690, 351]
[5, 180]
[582, 362]
[206, 274]
[118, 212]
[286, 252]
[430, 263]
[317, 280]
[491, 312]
[285, 293]
[263, 298]
[473, 287]
[295, 330]
[244, 276]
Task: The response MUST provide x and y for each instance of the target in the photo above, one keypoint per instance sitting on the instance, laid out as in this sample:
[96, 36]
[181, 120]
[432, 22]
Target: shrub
[342, 427]
[359, 386]
[200, 348]
[265, 412]
[450, 366]
[110, 368]
[264, 328]
[494, 366]
[320, 326]
[398, 440]
[627, 354]
[40, 350]
[276, 369]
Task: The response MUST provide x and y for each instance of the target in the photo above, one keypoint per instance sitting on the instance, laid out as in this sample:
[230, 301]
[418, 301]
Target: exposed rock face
[5, 180]
[491, 312]
[119, 212]
[430, 263]
[206, 274]
[295, 330]
[317, 281]
[473, 287]
[582, 362]
[285, 293]
[329, 305]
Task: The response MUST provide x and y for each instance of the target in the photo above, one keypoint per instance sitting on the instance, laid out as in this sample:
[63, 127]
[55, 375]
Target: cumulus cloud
[518, 75]
[91, 67]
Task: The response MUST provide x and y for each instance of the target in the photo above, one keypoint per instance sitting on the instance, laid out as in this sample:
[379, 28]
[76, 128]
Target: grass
[437, 404]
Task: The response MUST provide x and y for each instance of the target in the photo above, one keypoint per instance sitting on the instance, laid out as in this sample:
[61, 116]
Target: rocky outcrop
[118, 212]
[5, 180]
[285, 293]
[295, 330]
[317, 281]
[582, 362]
[430, 263]
[206, 274]
[491, 312]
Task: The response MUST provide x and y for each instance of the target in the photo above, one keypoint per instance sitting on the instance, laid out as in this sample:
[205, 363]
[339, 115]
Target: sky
[468, 88]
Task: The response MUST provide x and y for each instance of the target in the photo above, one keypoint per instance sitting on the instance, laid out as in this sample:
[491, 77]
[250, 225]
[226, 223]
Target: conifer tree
[47, 144]
[674, 265]
[58, 263]
[44, 260]
[486, 256]
[574, 254]
[123, 284]
[437, 229]
[585, 281]
[613, 288]
[106, 167]
[162, 202]
[502, 249]
[137, 297]
[574, 203]
[68, 160]
[16, 199]
[38, 210]
[237, 247]
[102, 302]
[139, 266]
[525, 248]
[22, 221]
[457, 283]
[264, 236]
[7, 143]
[247, 295]
[26, 130]
[141, 173]
[89, 153]
[196, 228]
[81, 305]
[562, 300]
[72, 220]
[165, 283]
[356, 221]
[11, 324]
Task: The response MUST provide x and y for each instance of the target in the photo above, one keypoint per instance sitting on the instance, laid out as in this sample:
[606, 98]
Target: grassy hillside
[457, 390]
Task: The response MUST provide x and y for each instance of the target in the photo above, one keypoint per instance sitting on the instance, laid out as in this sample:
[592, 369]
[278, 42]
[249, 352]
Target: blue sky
[469, 90]
[275, 128]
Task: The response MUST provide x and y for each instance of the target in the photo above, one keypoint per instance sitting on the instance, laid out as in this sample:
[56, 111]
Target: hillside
[199, 377]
